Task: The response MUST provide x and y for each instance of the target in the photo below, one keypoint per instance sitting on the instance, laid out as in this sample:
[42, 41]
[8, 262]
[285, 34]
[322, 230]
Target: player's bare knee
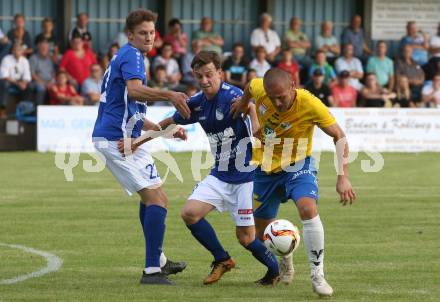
[189, 216]
[245, 235]
[307, 211]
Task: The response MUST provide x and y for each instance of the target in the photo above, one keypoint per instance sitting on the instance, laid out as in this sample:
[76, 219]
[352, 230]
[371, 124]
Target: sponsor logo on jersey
[285, 125]
[245, 211]
[219, 115]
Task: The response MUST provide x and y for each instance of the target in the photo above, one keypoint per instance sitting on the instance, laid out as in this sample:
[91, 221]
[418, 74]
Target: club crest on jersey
[269, 132]
[262, 109]
[219, 115]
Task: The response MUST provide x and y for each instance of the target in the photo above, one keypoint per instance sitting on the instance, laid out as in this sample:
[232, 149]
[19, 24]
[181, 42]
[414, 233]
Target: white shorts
[235, 198]
[134, 172]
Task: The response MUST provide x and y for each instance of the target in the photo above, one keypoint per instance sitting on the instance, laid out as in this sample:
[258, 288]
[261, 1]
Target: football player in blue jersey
[229, 186]
[121, 115]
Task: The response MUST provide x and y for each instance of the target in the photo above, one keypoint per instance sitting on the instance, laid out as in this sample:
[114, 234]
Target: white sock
[163, 259]
[313, 236]
[152, 270]
[289, 260]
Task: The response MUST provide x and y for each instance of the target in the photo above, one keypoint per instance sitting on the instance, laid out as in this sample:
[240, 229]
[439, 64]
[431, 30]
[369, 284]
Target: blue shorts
[270, 190]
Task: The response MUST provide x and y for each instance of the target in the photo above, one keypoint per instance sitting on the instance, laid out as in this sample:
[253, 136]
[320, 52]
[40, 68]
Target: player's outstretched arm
[143, 93]
[254, 119]
[241, 104]
[343, 185]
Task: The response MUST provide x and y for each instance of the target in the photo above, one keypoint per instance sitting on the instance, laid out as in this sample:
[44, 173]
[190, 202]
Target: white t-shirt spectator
[434, 42]
[428, 89]
[260, 68]
[171, 65]
[350, 65]
[17, 70]
[269, 40]
[91, 85]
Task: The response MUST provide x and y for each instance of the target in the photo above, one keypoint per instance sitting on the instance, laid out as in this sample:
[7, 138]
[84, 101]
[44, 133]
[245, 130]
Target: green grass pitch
[383, 248]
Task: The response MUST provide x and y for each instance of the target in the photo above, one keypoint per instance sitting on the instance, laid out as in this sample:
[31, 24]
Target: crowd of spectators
[342, 71]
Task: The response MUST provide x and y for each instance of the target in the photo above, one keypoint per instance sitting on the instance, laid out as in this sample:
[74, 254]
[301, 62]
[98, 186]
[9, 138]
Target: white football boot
[319, 284]
[286, 269]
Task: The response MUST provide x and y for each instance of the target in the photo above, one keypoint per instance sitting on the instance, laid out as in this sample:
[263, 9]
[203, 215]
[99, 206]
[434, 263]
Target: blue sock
[154, 231]
[205, 234]
[142, 214]
[262, 254]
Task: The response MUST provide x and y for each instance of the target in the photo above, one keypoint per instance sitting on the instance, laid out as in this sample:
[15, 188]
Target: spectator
[344, 95]
[105, 61]
[431, 92]
[418, 42]
[414, 74]
[259, 64]
[434, 43]
[266, 37]
[322, 64]
[431, 68]
[15, 76]
[160, 81]
[187, 74]
[374, 95]
[297, 42]
[77, 61]
[172, 68]
[42, 70]
[352, 64]
[319, 89]
[5, 45]
[82, 21]
[47, 34]
[325, 41]
[176, 38]
[235, 66]
[382, 66]
[209, 39]
[91, 89]
[354, 34]
[289, 64]
[251, 74]
[403, 93]
[62, 93]
[19, 34]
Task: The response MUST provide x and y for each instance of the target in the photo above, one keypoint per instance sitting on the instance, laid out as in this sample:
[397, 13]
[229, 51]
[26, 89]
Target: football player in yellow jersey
[286, 170]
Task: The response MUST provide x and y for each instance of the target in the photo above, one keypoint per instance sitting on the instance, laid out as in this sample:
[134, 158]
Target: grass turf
[384, 248]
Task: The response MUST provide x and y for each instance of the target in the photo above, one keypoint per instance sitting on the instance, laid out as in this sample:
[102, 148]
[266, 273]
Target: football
[281, 237]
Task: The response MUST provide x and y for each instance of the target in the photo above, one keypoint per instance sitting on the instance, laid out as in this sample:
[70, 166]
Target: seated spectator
[62, 93]
[160, 81]
[352, 64]
[19, 34]
[105, 61]
[407, 67]
[209, 39]
[403, 93]
[434, 43]
[418, 42]
[431, 92]
[82, 21]
[5, 45]
[319, 89]
[251, 74]
[266, 37]
[289, 64]
[382, 66]
[47, 34]
[374, 95]
[187, 74]
[176, 38]
[42, 70]
[328, 43]
[344, 95]
[91, 88]
[15, 76]
[77, 61]
[322, 64]
[354, 34]
[235, 66]
[297, 42]
[431, 68]
[172, 68]
[259, 64]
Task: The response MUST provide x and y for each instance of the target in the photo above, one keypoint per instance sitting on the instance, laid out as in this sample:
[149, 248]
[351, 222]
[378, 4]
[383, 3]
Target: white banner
[69, 129]
[389, 17]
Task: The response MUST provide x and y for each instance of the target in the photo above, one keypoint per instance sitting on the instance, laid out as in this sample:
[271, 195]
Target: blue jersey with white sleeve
[230, 139]
[118, 115]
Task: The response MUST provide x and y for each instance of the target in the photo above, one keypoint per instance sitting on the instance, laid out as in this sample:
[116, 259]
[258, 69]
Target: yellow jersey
[289, 134]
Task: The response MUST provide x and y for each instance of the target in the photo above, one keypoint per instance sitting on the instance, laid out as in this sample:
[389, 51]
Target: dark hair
[260, 48]
[173, 22]
[82, 14]
[159, 67]
[60, 72]
[19, 16]
[46, 20]
[380, 42]
[319, 51]
[238, 44]
[138, 16]
[205, 57]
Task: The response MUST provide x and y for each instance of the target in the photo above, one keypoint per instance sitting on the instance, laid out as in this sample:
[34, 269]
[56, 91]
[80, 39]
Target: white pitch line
[54, 263]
